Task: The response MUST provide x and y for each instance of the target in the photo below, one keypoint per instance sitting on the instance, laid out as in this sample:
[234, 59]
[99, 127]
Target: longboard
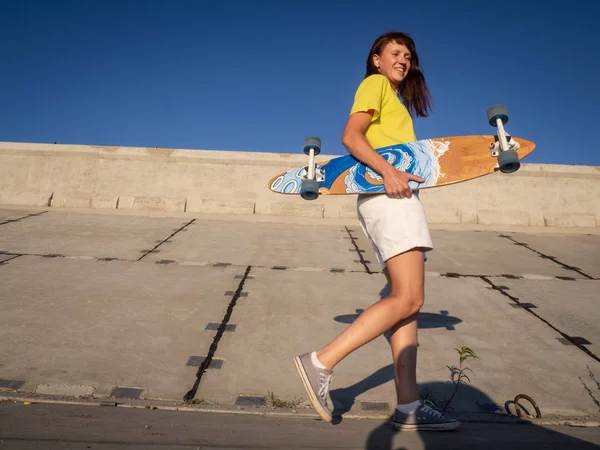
[440, 161]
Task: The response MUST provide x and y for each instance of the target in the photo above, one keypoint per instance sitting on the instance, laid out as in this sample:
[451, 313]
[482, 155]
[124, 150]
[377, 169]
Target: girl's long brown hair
[413, 89]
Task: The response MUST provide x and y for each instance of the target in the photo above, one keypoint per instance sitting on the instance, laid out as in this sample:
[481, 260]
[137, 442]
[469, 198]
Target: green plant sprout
[457, 377]
[459, 374]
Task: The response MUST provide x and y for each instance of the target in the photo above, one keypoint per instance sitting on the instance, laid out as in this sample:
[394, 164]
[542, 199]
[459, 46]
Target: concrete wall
[84, 176]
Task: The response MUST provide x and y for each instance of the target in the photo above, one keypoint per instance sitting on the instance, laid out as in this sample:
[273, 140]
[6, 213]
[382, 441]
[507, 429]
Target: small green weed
[458, 375]
[277, 402]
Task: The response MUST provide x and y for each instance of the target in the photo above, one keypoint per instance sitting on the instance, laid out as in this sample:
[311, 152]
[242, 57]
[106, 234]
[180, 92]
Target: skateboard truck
[504, 147]
[309, 189]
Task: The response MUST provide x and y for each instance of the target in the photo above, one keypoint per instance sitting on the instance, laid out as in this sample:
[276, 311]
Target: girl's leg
[406, 273]
[404, 343]
[404, 353]
[410, 413]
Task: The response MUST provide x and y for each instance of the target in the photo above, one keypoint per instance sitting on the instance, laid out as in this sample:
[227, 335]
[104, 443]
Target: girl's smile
[393, 63]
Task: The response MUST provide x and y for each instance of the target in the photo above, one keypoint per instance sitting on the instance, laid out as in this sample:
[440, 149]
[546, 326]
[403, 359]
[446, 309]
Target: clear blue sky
[261, 75]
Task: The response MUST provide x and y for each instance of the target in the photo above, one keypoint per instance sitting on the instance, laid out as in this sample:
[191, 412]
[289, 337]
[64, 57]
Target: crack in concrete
[9, 259]
[21, 218]
[358, 251]
[219, 334]
[529, 310]
[551, 258]
[165, 240]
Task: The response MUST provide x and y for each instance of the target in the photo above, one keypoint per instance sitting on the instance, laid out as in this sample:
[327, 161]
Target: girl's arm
[353, 138]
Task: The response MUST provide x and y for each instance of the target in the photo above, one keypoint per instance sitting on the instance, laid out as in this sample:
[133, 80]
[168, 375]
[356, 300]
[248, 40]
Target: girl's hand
[396, 183]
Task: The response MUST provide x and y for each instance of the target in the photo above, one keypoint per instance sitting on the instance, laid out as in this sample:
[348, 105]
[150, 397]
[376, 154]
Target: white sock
[315, 361]
[409, 408]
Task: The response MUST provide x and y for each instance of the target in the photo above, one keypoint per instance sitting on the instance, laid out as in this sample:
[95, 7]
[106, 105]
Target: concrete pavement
[127, 306]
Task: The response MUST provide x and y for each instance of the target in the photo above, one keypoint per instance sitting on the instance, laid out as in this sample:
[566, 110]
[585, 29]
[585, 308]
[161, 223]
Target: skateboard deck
[440, 161]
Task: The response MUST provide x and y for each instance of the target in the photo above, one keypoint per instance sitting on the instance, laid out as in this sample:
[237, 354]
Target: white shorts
[393, 225]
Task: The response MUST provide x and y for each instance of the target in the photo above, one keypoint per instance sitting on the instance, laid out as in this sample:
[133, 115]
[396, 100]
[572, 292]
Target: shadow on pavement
[501, 435]
[492, 436]
[468, 436]
[425, 321]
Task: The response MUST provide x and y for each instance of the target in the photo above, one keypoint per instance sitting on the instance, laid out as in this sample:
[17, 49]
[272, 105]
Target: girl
[395, 223]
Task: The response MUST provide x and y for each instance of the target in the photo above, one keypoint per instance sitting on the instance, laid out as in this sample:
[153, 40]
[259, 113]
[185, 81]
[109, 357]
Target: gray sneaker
[424, 418]
[316, 382]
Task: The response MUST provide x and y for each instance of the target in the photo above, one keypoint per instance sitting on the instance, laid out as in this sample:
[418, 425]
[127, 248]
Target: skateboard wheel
[309, 190]
[508, 161]
[312, 142]
[497, 112]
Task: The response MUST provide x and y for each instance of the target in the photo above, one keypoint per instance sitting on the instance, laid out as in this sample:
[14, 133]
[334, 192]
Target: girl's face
[393, 62]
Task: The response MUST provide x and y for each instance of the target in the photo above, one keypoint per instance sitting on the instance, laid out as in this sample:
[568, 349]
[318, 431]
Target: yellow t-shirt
[391, 123]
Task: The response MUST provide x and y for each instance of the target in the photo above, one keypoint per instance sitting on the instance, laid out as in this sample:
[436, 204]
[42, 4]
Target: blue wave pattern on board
[419, 158]
[290, 182]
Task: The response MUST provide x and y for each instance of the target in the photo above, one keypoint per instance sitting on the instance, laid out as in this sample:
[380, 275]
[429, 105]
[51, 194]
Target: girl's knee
[408, 303]
[417, 303]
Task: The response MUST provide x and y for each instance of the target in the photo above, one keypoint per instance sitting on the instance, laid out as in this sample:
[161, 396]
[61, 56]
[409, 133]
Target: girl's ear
[376, 61]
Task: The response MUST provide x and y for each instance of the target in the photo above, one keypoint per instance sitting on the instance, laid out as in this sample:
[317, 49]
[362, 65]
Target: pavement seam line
[165, 240]
[529, 310]
[55, 255]
[508, 275]
[21, 218]
[551, 258]
[199, 263]
[218, 335]
[358, 252]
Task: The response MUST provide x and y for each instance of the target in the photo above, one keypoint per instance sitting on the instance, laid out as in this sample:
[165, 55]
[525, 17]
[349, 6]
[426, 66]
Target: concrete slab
[68, 324]
[263, 245]
[486, 253]
[570, 306]
[108, 323]
[287, 313]
[75, 234]
[450, 253]
[581, 252]
[518, 353]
